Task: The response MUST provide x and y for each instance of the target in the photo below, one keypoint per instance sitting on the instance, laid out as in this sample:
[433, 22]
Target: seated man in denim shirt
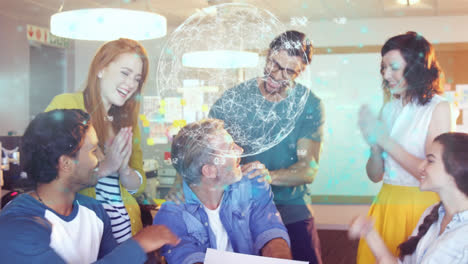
[222, 210]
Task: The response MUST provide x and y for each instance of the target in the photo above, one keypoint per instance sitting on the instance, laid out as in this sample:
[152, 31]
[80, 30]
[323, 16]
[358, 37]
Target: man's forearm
[298, 174]
[277, 248]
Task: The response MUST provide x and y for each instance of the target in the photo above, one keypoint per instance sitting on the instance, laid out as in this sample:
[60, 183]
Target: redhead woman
[112, 98]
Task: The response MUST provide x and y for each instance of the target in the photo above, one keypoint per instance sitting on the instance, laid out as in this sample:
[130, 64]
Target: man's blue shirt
[247, 213]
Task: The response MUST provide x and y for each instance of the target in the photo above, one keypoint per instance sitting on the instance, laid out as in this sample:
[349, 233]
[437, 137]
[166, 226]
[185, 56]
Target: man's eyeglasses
[287, 73]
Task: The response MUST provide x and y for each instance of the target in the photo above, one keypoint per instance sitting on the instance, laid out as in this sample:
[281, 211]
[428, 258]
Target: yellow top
[75, 101]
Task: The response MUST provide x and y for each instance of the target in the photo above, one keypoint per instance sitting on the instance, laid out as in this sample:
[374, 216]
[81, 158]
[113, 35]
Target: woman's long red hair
[125, 115]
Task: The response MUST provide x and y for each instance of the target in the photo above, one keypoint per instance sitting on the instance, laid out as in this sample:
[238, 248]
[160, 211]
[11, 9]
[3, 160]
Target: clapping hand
[124, 169]
[373, 130]
[360, 227]
[117, 153]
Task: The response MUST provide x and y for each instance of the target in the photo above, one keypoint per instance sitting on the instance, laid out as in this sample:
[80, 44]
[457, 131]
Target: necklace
[40, 200]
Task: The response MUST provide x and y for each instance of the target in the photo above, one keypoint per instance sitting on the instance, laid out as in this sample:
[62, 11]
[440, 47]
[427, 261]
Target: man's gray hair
[191, 150]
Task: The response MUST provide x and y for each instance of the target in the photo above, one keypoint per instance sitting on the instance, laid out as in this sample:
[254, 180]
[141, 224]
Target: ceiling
[38, 12]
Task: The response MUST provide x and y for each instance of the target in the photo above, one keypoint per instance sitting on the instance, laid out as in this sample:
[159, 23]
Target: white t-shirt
[222, 239]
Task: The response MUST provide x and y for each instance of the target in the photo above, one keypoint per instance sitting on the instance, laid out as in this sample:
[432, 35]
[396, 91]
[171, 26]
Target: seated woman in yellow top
[112, 98]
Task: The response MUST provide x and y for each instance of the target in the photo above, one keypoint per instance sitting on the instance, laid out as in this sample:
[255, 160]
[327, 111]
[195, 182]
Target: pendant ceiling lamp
[104, 24]
[217, 49]
[408, 2]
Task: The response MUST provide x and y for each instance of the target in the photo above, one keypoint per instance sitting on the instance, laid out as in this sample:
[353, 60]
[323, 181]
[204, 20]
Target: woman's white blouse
[408, 125]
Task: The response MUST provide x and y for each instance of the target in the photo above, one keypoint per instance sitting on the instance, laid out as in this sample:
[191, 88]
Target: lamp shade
[406, 2]
[106, 24]
[220, 59]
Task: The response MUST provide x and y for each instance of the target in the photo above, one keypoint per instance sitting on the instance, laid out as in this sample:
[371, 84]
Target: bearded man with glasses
[261, 107]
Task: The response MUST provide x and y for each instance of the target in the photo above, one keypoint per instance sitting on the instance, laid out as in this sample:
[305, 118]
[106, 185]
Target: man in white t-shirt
[222, 209]
[54, 223]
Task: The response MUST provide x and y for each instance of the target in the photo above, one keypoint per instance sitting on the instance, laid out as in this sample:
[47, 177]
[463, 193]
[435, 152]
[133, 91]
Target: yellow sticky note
[183, 102]
[179, 123]
[162, 103]
[162, 111]
[142, 117]
[158, 201]
[145, 123]
[205, 108]
[150, 141]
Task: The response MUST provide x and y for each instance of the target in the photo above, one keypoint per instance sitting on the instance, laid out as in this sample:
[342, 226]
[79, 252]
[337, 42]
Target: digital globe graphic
[214, 50]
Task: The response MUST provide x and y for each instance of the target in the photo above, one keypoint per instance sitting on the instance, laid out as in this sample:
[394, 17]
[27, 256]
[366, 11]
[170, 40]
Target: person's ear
[209, 171]
[65, 163]
[303, 67]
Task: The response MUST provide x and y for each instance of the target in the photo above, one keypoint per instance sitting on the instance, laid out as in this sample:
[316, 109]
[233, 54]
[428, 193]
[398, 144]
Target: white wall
[344, 82]
[443, 29]
[323, 34]
[14, 76]
[338, 216]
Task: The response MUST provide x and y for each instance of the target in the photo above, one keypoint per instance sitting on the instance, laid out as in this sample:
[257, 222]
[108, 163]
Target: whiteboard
[344, 82]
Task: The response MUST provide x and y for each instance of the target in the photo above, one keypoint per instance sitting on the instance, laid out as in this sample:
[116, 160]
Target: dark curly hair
[295, 43]
[422, 72]
[49, 136]
[455, 159]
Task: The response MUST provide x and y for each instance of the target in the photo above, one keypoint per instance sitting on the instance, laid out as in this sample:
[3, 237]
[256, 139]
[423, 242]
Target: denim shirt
[449, 247]
[247, 212]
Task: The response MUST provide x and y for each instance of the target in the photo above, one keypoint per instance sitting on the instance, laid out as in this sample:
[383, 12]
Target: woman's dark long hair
[455, 159]
[422, 73]
[409, 246]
